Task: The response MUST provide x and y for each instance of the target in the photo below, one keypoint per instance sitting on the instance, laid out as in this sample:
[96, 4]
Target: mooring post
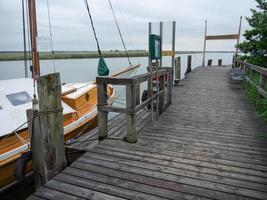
[47, 139]
[189, 64]
[102, 100]
[131, 115]
[210, 62]
[219, 62]
[177, 70]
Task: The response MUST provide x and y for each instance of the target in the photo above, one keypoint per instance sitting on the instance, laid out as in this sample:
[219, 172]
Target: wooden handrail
[247, 67]
[132, 99]
[129, 81]
[256, 68]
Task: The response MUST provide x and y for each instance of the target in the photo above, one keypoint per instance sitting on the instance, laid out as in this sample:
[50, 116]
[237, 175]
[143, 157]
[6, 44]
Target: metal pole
[239, 31]
[173, 45]
[161, 36]
[204, 49]
[150, 84]
[149, 32]
[24, 41]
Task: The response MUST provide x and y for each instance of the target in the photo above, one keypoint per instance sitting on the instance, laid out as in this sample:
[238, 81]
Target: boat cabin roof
[15, 98]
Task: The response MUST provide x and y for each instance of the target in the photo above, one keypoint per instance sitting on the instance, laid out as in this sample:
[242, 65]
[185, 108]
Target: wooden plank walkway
[207, 145]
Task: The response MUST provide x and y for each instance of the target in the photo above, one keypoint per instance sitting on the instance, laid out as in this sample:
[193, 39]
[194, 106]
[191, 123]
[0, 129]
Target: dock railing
[255, 75]
[133, 104]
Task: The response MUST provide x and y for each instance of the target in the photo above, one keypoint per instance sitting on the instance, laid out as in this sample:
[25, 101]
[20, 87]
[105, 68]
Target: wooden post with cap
[46, 129]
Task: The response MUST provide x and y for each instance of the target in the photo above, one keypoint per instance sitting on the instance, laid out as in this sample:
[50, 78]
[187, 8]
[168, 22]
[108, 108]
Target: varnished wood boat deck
[209, 144]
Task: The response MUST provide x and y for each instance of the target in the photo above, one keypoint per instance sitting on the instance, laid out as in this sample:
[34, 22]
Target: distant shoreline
[19, 55]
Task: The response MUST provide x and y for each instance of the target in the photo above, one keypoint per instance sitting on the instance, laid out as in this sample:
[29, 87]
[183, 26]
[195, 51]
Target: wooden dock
[208, 144]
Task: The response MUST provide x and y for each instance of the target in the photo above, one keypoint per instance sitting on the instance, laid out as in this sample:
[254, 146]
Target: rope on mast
[24, 40]
[93, 27]
[28, 32]
[123, 43]
[51, 36]
[102, 68]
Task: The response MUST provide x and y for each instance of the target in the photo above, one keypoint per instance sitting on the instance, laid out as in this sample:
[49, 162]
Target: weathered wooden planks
[209, 144]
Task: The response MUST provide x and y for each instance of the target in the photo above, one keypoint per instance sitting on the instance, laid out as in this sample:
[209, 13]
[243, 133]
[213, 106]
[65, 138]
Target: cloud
[72, 31]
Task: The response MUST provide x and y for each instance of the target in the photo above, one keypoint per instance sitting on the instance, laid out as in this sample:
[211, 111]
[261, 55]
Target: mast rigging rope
[93, 27]
[24, 40]
[51, 36]
[123, 43]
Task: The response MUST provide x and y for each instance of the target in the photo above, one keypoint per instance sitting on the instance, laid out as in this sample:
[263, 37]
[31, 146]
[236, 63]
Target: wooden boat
[79, 102]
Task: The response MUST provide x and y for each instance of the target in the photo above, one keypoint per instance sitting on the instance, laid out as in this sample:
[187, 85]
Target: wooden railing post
[169, 88]
[102, 115]
[262, 83]
[47, 139]
[162, 96]
[137, 90]
[251, 73]
[131, 115]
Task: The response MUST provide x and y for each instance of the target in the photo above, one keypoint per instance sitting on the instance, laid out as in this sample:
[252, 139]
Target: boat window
[19, 98]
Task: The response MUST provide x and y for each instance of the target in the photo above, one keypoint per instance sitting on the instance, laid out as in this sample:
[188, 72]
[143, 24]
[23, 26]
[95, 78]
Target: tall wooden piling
[46, 129]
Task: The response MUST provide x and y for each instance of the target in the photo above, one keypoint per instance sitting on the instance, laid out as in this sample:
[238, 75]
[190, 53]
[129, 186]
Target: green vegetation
[255, 44]
[252, 93]
[255, 49]
[10, 56]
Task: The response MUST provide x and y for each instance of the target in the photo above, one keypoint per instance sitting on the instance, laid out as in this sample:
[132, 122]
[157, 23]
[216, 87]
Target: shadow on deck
[207, 145]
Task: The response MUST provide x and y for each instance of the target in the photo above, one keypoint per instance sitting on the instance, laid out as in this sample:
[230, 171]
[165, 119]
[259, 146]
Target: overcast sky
[72, 31]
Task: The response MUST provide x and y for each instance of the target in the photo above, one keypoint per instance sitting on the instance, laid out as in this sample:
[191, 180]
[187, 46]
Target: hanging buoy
[20, 170]
[102, 69]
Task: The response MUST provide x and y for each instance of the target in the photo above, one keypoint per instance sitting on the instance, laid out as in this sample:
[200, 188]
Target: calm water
[81, 70]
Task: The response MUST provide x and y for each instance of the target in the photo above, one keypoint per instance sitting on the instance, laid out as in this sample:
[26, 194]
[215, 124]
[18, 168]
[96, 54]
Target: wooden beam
[168, 53]
[114, 80]
[222, 37]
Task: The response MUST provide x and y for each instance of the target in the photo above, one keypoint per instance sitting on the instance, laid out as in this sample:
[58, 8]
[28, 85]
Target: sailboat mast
[33, 36]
